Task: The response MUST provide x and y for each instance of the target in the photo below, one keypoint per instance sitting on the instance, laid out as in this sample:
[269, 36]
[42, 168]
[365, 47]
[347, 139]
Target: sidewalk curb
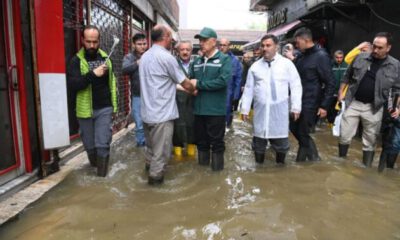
[16, 203]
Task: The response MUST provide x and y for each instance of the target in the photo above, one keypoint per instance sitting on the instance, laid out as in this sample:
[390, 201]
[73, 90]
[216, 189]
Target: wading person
[315, 69]
[370, 78]
[159, 73]
[212, 72]
[267, 86]
[96, 98]
[183, 126]
[130, 66]
[339, 67]
[233, 88]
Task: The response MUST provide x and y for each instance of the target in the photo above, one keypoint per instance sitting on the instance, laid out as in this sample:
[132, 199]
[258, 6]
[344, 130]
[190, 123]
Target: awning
[277, 32]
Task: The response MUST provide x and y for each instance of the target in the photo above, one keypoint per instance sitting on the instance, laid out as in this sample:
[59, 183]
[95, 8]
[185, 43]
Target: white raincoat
[268, 86]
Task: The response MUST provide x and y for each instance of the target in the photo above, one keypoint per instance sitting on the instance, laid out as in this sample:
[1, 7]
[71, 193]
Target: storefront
[37, 40]
[335, 24]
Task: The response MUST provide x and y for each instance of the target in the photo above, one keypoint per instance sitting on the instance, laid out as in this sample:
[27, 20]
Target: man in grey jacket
[369, 78]
[130, 66]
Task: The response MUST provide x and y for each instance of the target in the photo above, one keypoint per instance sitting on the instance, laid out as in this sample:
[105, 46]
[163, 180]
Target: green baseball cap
[206, 33]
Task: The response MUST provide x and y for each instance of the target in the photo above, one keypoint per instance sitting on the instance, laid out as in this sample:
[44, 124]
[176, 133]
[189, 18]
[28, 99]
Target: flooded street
[331, 199]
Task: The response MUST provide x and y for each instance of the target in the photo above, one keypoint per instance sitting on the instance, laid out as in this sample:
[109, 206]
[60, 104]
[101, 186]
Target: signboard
[277, 18]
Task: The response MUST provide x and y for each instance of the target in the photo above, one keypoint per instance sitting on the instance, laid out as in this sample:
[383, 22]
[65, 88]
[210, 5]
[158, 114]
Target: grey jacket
[387, 77]
[131, 68]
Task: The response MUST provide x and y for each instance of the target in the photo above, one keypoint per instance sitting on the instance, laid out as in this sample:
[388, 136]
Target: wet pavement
[331, 199]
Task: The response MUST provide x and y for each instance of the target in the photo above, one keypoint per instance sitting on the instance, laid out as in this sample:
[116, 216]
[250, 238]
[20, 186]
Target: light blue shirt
[159, 73]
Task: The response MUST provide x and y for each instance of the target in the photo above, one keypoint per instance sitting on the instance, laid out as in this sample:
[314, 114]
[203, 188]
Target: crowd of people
[183, 103]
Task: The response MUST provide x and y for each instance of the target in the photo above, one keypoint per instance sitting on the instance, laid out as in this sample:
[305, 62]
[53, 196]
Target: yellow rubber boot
[178, 151]
[191, 150]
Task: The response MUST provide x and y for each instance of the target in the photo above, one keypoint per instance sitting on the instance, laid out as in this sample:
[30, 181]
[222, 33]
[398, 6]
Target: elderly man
[267, 86]
[212, 72]
[130, 66]
[183, 126]
[370, 78]
[315, 68]
[96, 99]
[159, 73]
[233, 94]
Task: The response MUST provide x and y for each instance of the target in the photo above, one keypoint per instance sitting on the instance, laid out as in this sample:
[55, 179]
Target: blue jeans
[139, 132]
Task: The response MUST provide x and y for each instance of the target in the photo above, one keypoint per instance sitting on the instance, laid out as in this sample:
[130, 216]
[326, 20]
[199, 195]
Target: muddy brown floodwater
[331, 199]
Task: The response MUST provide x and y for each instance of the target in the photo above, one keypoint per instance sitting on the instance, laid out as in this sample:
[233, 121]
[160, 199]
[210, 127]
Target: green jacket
[212, 81]
[338, 72]
[84, 97]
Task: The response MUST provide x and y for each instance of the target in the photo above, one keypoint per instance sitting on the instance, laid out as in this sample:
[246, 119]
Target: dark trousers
[302, 127]
[209, 133]
[280, 145]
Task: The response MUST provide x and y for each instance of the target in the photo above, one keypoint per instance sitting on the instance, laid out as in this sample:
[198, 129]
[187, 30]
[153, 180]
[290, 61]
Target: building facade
[37, 40]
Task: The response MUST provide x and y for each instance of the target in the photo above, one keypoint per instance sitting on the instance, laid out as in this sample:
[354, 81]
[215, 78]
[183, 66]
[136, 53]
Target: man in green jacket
[211, 74]
[91, 77]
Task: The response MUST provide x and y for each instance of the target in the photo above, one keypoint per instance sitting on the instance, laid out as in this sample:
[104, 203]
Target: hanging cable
[382, 18]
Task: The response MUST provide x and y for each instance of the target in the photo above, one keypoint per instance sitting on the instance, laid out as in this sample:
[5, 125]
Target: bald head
[162, 35]
[224, 45]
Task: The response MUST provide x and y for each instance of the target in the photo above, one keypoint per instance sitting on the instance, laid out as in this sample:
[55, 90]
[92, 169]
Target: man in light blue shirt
[159, 73]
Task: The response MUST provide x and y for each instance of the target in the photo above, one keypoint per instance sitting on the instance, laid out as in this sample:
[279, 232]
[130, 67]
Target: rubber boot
[204, 158]
[92, 159]
[102, 166]
[280, 157]
[155, 180]
[217, 161]
[313, 152]
[343, 149]
[191, 150]
[391, 160]
[177, 151]
[259, 157]
[382, 161]
[368, 158]
[302, 154]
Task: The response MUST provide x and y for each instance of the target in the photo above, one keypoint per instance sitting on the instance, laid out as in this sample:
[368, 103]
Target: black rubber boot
[391, 160]
[204, 158]
[368, 158]
[259, 157]
[217, 161]
[92, 159]
[343, 149]
[382, 161]
[155, 180]
[302, 154]
[313, 152]
[280, 157]
[102, 166]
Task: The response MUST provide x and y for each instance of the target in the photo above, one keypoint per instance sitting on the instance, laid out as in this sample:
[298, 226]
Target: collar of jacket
[388, 60]
[311, 50]
[216, 55]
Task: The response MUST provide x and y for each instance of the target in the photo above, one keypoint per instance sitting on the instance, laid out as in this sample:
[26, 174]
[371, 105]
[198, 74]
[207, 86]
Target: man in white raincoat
[268, 83]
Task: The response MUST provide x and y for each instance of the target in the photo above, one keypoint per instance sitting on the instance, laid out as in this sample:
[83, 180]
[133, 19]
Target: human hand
[295, 115]
[100, 70]
[193, 82]
[364, 46]
[394, 113]
[322, 113]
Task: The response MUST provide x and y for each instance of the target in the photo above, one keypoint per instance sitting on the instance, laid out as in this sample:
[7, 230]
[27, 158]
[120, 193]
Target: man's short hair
[269, 36]
[386, 35]
[157, 33]
[303, 33]
[183, 42]
[138, 36]
[89, 27]
[338, 52]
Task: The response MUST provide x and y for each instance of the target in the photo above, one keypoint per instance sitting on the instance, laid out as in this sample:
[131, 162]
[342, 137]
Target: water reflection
[331, 199]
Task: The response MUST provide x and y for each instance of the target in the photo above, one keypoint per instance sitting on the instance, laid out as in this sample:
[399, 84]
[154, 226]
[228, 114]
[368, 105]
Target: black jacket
[317, 79]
